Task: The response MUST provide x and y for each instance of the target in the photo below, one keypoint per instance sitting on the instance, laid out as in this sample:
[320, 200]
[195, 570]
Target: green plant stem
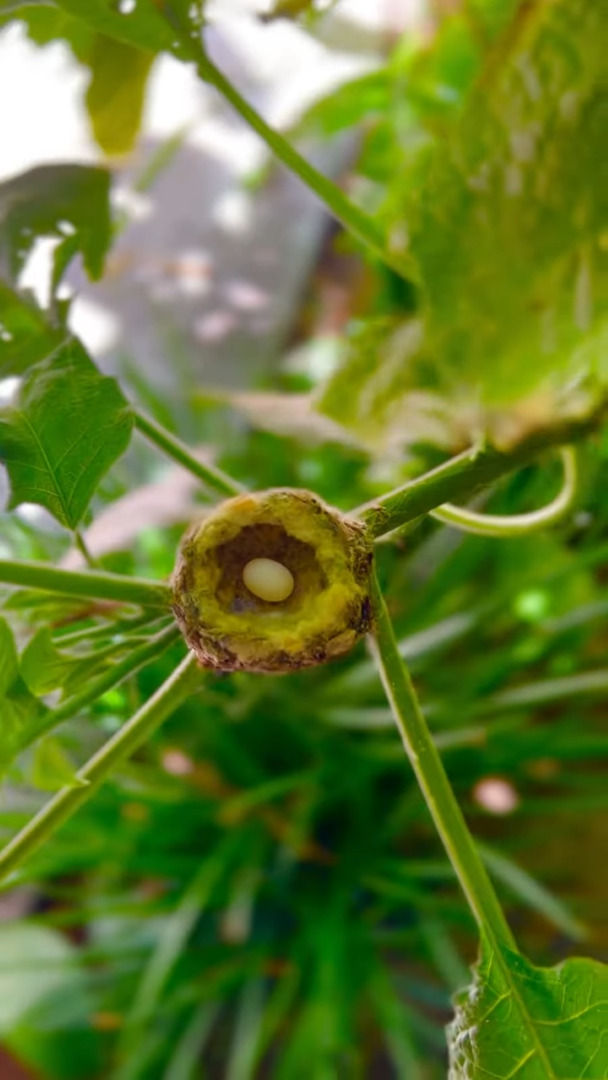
[107, 629]
[502, 526]
[81, 544]
[211, 477]
[463, 475]
[92, 585]
[136, 659]
[360, 224]
[433, 781]
[88, 779]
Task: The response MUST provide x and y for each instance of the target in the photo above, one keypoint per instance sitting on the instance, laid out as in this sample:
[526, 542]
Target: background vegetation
[259, 891]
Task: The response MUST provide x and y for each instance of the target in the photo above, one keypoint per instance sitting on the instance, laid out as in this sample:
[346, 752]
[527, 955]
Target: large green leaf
[66, 429]
[507, 227]
[69, 202]
[504, 208]
[529, 1023]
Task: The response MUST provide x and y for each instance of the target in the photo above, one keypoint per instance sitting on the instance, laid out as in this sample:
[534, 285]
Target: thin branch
[82, 546]
[430, 773]
[355, 220]
[94, 585]
[211, 477]
[108, 629]
[463, 475]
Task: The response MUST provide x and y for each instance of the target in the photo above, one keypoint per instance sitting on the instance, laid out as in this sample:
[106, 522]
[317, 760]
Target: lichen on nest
[328, 556]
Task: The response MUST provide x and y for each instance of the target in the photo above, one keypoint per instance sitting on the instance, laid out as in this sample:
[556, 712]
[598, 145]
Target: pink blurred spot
[215, 326]
[497, 796]
[176, 763]
[246, 296]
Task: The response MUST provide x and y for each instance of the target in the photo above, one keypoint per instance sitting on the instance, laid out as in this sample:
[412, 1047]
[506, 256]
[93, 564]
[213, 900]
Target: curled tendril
[498, 525]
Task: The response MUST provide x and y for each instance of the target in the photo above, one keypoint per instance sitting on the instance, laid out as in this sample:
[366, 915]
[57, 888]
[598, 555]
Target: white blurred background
[210, 267]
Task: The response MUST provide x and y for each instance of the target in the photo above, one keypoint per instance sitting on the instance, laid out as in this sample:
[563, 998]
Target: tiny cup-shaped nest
[272, 581]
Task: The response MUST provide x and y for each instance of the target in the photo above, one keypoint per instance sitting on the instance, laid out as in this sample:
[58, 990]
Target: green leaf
[51, 767]
[288, 9]
[147, 24]
[353, 103]
[67, 428]
[69, 202]
[9, 663]
[46, 1003]
[45, 668]
[118, 70]
[119, 64]
[529, 1023]
[14, 8]
[46, 23]
[26, 336]
[513, 207]
[36, 961]
[18, 707]
[504, 209]
[115, 96]
[374, 392]
[19, 710]
[143, 26]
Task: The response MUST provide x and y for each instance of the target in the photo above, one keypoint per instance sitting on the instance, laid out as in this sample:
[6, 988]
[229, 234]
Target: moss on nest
[328, 555]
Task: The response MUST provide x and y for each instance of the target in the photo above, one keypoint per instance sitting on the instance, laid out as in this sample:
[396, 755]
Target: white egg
[268, 580]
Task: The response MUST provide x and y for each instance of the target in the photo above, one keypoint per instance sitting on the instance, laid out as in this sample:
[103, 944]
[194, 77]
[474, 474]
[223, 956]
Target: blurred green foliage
[260, 891]
[484, 156]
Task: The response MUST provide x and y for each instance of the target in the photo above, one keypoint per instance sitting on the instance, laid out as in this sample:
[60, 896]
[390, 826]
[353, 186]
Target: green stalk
[503, 526]
[81, 544]
[355, 220]
[430, 773]
[463, 475]
[88, 779]
[90, 584]
[107, 629]
[459, 477]
[136, 659]
[208, 475]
